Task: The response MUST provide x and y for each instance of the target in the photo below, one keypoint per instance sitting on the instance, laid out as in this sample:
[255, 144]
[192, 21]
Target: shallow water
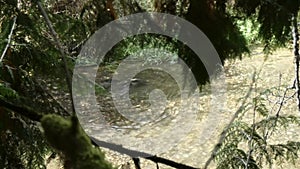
[181, 135]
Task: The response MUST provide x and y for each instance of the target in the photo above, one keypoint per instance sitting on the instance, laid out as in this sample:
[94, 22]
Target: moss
[67, 136]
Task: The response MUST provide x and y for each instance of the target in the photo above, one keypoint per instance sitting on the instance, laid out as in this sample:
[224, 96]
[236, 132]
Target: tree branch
[57, 41]
[9, 38]
[250, 142]
[297, 59]
[135, 154]
[282, 99]
[35, 116]
[22, 110]
[136, 163]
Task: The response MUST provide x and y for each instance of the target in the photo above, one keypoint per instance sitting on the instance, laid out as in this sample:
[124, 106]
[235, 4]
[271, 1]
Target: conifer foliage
[32, 83]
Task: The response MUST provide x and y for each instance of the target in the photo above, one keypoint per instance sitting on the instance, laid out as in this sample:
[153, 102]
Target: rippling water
[192, 148]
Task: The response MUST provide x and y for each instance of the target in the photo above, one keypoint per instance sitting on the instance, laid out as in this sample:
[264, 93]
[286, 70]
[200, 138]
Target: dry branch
[9, 38]
[61, 50]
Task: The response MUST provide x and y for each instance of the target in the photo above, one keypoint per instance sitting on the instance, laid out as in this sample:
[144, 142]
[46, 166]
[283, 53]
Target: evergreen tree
[28, 52]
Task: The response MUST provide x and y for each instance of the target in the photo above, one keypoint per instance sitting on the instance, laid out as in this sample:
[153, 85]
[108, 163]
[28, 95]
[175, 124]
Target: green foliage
[33, 64]
[274, 18]
[132, 45]
[222, 31]
[247, 145]
[250, 30]
[32, 73]
[7, 92]
[68, 137]
[21, 143]
[99, 90]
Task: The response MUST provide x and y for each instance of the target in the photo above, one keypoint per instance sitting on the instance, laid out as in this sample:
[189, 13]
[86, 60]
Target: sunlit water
[194, 147]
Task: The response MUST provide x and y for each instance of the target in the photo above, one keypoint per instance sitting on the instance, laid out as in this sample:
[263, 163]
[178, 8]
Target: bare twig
[63, 56]
[282, 100]
[9, 38]
[252, 133]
